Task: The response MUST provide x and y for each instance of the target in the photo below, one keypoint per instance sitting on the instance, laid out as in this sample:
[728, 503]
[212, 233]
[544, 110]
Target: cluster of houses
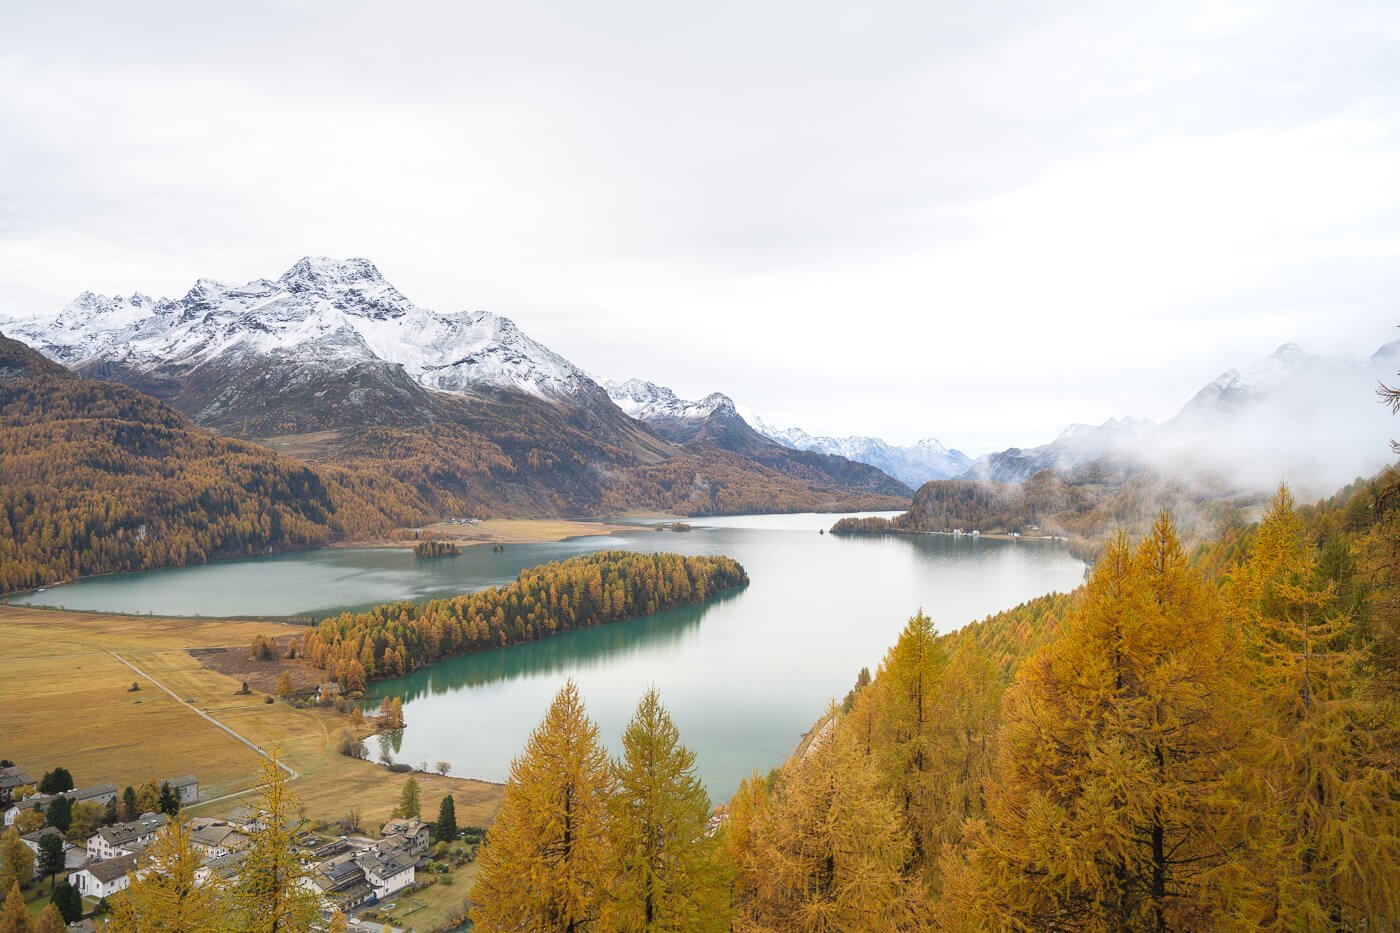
[351, 872]
[348, 872]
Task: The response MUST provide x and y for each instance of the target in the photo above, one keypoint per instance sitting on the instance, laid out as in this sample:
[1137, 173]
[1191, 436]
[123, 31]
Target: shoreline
[494, 531]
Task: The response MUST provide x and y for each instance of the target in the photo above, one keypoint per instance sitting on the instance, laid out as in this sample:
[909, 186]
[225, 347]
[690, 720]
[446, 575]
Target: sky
[980, 222]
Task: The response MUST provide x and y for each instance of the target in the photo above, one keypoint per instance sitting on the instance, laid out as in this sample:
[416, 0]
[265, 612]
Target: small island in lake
[435, 548]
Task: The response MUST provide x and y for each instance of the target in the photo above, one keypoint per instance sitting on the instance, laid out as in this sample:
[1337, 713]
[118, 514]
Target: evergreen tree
[409, 801]
[16, 860]
[56, 781]
[14, 916]
[168, 802]
[165, 898]
[68, 901]
[546, 862]
[1112, 807]
[50, 856]
[271, 895]
[59, 813]
[668, 877]
[128, 810]
[446, 826]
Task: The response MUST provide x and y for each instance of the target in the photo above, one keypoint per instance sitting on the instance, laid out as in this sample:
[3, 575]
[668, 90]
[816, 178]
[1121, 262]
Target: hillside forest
[1199, 738]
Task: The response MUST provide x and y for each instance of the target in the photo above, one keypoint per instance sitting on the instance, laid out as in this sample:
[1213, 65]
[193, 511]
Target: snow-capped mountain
[1075, 446]
[914, 465]
[1239, 386]
[334, 314]
[714, 421]
[1306, 418]
[647, 401]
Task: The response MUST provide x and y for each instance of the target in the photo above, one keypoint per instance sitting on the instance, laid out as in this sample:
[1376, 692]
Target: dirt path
[199, 712]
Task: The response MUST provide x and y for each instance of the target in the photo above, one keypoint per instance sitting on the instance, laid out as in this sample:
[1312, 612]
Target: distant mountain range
[1307, 418]
[1312, 420]
[714, 421]
[915, 464]
[332, 363]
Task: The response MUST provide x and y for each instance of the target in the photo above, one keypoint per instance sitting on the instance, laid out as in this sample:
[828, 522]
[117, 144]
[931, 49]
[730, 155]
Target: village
[77, 847]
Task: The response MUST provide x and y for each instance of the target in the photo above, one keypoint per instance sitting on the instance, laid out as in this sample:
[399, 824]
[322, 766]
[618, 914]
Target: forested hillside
[607, 586]
[1201, 739]
[1086, 505]
[100, 478]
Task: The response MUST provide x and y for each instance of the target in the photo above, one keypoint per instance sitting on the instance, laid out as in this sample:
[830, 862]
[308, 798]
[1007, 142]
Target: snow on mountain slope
[321, 312]
[647, 401]
[914, 465]
[1312, 420]
[1076, 445]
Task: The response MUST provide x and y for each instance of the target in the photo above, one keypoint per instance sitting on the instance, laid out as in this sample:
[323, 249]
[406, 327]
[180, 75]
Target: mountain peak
[321, 273]
[647, 401]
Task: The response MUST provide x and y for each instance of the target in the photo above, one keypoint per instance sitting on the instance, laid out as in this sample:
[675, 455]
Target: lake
[744, 675]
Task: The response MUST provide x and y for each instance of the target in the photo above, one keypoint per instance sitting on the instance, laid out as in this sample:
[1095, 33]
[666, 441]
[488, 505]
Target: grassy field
[65, 699]
[495, 531]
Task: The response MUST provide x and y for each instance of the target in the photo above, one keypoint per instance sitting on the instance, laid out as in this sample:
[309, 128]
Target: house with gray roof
[101, 794]
[14, 777]
[121, 839]
[105, 878]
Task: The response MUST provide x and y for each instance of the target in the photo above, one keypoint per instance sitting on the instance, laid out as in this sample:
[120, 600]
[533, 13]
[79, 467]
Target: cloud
[900, 218]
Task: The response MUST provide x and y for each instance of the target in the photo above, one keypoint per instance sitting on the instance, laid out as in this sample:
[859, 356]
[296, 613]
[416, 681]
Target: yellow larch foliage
[547, 862]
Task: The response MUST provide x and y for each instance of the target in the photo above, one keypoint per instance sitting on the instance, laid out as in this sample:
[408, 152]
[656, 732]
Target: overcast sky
[980, 221]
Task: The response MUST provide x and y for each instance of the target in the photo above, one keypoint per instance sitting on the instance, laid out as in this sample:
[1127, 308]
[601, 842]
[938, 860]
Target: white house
[100, 794]
[121, 839]
[387, 865]
[32, 839]
[103, 879]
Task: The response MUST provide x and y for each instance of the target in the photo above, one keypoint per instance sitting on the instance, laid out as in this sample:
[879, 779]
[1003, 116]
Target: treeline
[1087, 505]
[435, 548]
[606, 845]
[396, 638]
[712, 481]
[1199, 740]
[100, 478]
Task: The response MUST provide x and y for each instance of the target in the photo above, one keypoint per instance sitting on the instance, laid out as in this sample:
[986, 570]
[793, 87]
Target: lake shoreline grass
[66, 699]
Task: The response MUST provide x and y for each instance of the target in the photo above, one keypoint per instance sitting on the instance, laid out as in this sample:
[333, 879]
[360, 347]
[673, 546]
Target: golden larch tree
[829, 848]
[1325, 786]
[1113, 806]
[164, 896]
[272, 894]
[668, 876]
[907, 685]
[547, 862]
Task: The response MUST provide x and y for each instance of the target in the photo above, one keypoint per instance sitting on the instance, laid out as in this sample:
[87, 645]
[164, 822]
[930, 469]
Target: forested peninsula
[609, 586]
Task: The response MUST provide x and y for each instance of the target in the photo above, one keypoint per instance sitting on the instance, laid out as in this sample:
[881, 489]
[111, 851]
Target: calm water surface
[743, 675]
